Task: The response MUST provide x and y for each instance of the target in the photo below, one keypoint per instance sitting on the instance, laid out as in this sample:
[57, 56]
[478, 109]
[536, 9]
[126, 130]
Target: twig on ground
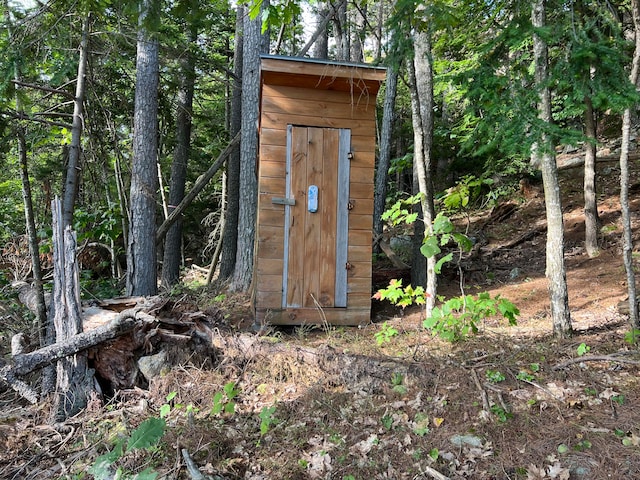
[483, 393]
[432, 472]
[595, 358]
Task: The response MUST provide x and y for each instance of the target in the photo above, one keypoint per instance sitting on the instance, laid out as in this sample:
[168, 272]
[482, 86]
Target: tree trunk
[230, 231]
[556, 272]
[342, 33]
[627, 249]
[420, 72]
[75, 148]
[74, 384]
[591, 220]
[30, 222]
[321, 47]
[254, 45]
[358, 22]
[173, 241]
[141, 251]
[384, 160]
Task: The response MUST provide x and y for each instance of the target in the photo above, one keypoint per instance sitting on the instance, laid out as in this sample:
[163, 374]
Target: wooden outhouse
[315, 191]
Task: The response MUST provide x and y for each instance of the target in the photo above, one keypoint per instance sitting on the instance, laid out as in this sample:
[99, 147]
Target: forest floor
[499, 405]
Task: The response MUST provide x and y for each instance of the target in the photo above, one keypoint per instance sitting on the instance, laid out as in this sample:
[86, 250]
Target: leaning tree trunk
[254, 45]
[230, 229]
[591, 220]
[627, 250]
[384, 160]
[173, 240]
[73, 165]
[420, 70]
[141, 250]
[556, 272]
[74, 385]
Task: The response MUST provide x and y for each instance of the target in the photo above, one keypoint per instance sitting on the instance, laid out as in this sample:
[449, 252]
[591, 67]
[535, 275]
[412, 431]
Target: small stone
[151, 366]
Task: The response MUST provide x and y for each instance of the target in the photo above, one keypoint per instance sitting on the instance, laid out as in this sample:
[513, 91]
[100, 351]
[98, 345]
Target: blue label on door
[312, 199]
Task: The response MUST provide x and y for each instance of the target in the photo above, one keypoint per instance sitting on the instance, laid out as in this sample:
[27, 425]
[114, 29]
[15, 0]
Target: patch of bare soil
[508, 403]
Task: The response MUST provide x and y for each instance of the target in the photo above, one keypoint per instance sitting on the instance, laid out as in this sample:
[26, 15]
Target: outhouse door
[316, 217]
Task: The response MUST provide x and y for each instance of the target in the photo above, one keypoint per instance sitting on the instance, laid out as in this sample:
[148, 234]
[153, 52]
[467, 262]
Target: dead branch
[391, 255]
[432, 472]
[199, 185]
[43, 88]
[595, 358]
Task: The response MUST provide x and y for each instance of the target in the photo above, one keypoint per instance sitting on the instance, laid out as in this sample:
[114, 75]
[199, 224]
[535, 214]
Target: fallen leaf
[535, 473]
[437, 421]
[558, 472]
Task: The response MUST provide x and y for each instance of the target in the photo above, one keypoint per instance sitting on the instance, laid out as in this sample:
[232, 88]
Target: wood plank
[359, 253]
[272, 218]
[362, 206]
[268, 301]
[360, 222]
[272, 185]
[342, 226]
[273, 136]
[271, 169]
[360, 285]
[360, 238]
[363, 143]
[269, 266]
[329, 211]
[360, 300]
[273, 153]
[296, 237]
[345, 98]
[313, 221]
[312, 316]
[362, 174]
[363, 160]
[269, 283]
[359, 270]
[313, 106]
[358, 127]
[359, 190]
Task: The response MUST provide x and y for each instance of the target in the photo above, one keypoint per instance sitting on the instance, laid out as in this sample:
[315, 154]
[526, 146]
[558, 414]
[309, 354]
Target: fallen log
[25, 363]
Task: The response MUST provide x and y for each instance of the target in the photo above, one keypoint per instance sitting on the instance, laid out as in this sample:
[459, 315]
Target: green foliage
[401, 296]
[146, 436]
[397, 383]
[495, 376]
[442, 233]
[266, 419]
[631, 337]
[458, 317]
[502, 414]
[583, 349]
[385, 334]
[400, 212]
[465, 192]
[223, 402]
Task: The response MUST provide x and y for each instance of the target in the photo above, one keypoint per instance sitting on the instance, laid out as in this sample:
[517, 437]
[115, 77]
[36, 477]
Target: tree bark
[254, 45]
[321, 35]
[27, 198]
[74, 383]
[141, 251]
[75, 148]
[420, 72]
[173, 241]
[591, 220]
[230, 230]
[384, 160]
[627, 249]
[556, 272]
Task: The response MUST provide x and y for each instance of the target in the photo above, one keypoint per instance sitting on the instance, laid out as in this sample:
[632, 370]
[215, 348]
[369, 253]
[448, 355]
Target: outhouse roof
[320, 74]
